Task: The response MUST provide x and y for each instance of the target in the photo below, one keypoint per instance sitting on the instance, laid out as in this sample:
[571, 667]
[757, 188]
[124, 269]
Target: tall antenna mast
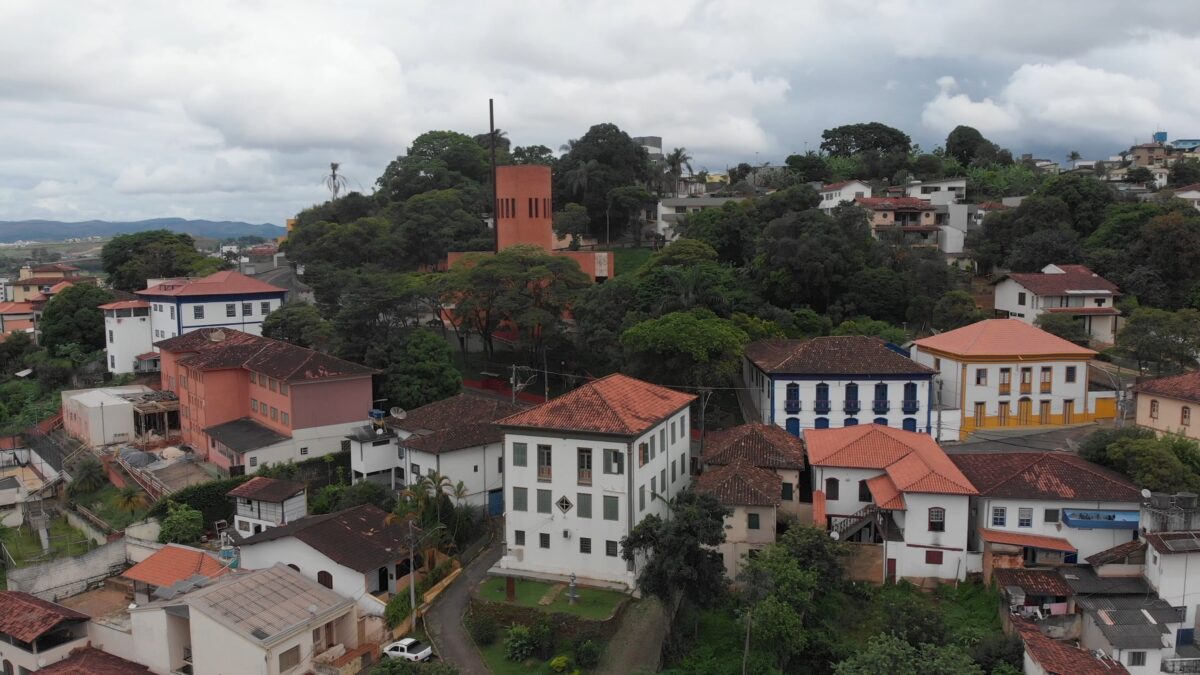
[495, 209]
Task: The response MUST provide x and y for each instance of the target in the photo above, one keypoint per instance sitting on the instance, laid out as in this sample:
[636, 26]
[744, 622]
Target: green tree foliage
[954, 310]
[301, 325]
[1167, 464]
[1034, 251]
[730, 230]
[888, 654]
[182, 525]
[1139, 174]
[1184, 172]
[13, 350]
[436, 160]
[611, 159]
[852, 139]
[1086, 198]
[994, 182]
[72, 317]
[1162, 341]
[809, 167]
[533, 154]
[130, 259]
[373, 308]
[963, 142]
[339, 497]
[572, 221]
[693, 347]
[86, 477]
[1149, 250]
[402, 667]
[417, 369]
[1001, 229]
[867, 326]
[1064, 326]
[810, 259]
[603, 313]
[345, 209]
[680, 552]
[438, 221]
[878, 292]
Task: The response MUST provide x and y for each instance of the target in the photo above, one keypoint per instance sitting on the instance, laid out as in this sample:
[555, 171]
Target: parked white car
[409, 649]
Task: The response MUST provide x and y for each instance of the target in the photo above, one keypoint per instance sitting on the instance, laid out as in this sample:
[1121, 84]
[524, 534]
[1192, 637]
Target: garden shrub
[543, 638]
[587, 654]
[519, 645]
[482, 629]
[397, 610]
[560, 663]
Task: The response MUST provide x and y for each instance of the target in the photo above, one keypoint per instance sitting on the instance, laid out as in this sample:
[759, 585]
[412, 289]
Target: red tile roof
[174, 563]
[762, 445]
[225, 282]
[885, 494]
[360, 538]
[1043, 475]
[221, 348]
[839, 185]
[1185, 387]
[55, 267]
[1072, 278]
[266, 489]
[1033, 581]
[1117, 553]
[463, 421]
[1089, 311]
[1060, 658]
[913, 461]
[126, 304]
[27, 617]
[833, 355]
[1002, 337]
[92, 661]
[1194, 187]
[741, 484]
[16, 308]
[894, 204]
[1023, 539]
[46, 281]
[991, 206]
[616, 404]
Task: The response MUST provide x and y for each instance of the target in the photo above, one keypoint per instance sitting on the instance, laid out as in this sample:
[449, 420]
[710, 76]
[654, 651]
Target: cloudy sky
[234, 109]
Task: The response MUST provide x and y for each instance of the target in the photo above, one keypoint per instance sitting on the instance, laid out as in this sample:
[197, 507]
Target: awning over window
[1100, 520]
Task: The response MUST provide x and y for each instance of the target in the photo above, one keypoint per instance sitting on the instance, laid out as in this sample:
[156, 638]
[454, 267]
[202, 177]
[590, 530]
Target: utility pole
[495, 210]
[512, 383]
[937, 402]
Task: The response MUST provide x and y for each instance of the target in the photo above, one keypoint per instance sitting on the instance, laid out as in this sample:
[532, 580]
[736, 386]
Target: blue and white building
[839, 381]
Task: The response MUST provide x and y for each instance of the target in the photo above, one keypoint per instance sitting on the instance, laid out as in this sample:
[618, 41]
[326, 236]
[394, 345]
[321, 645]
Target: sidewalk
[637, 645]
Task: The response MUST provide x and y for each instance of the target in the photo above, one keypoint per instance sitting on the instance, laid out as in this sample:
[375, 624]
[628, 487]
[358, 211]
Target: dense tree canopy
[72, 317]
[680, 552]
[417, 369]
[693, 347]
[301, 325]
[130, 259]
[852, 139]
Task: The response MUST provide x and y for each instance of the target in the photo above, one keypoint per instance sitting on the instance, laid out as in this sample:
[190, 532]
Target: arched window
[910, 391]
[881, 421]
[937, 519]
[852, 402]
[793, 426]
[910, 424]
[821, 423]
[8, 667]
[293, 567]
[831, 488]
[792, 402]
[850, 422]
[822, 392]
[880, 403]
[325, 579]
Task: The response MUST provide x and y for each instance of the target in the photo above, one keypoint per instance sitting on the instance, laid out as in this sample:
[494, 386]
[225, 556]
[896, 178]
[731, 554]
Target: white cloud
[948, 110]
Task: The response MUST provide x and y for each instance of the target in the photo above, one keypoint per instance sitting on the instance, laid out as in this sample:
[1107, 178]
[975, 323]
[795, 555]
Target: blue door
[910, 424]
[496, 502]
[793, 426]
[1185, 636]
[822, 423]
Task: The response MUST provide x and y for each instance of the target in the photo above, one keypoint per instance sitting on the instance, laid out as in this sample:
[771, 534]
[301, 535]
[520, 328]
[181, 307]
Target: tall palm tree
[577, 178]
[678, 160]
[333, 181]
[459, 493]
[131, 499]
[1073, 157]
[691, 287]
[87, 476]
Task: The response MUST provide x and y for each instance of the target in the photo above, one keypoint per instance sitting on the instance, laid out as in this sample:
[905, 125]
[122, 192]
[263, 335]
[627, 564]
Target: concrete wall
[1169, 418]
[847, 503]
[1088, 541]
[919, 540]
[322, 403]
[64, 577]
[479, 468]
[125, 338]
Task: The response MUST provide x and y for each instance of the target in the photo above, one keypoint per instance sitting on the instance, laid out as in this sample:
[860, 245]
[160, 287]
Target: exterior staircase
[851, 525]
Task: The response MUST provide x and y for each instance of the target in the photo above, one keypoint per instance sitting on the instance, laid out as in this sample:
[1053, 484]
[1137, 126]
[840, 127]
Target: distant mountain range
[54, 230]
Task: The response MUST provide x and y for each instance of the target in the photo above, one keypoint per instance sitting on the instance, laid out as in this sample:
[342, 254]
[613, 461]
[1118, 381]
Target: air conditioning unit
[566, 534]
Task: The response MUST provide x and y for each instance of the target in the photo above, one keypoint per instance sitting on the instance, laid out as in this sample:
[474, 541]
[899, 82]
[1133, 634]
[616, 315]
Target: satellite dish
[378, 431]
[1145, 493]
[398, 413]
[835, 535]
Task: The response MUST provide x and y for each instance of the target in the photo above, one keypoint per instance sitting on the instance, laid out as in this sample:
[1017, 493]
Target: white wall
[131, 336]
[833, 198]
[807, 416]
[478, 467]
[910, 555]
[160, 639]
[563, 556]
[319, 441]
[291, 551]
[1088, 541]
[847, 503]
[1006, 297]
[1176, 578]
[164, 326]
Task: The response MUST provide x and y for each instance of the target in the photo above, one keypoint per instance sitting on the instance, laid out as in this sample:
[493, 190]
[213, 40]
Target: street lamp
[412, 568]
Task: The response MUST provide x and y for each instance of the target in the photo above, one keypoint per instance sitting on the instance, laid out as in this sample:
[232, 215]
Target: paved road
[637, 645]
[444, 620]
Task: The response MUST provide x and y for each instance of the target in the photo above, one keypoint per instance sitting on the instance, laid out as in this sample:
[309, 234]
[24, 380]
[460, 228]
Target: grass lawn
[24, 545]
[629, 260]
[594, 604]
[969, 610]
[103, 503]
[493, 656]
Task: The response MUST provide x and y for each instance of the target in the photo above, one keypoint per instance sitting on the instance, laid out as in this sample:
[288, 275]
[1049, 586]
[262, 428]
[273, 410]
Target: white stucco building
[880, 485]
[262, 503]
[831, 382]
[938, 192]
[35, 633]
[672, 210]
[582, 470]
[127, 337]
[835, 194]
[101, 416]
[1073, 290]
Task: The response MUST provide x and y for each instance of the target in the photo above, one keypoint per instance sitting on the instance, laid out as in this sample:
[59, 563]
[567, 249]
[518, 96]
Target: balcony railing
[1046, 388]
[791, 405]
[1026, 387]
[853, 406]
[910, 406]
[1180, 665]
[585, 476]
[544, 473]
[822, 407]
[1005, 388]
[880, 406]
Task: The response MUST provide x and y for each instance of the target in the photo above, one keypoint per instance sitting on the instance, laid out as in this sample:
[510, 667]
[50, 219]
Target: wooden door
[1024, 412]
[891, 570]
[1044, 413]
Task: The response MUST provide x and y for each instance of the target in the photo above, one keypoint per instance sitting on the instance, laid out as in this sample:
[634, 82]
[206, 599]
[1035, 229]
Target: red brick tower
[524, 212]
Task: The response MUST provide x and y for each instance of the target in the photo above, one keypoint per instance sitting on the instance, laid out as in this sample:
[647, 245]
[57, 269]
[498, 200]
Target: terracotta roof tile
[616, 404]
[359, 538]
[225, 282]
[266, 489]
[1185, 387]
[1163, 541]
[1023, 539]
[834, 355]
[466, 420]
[16, 308]
[1033, 581]
[1073, 278]
[1060, 658]
[27, 617]
[741, 484]
[1002, 337]
[1044, 475]
[1117, 553]
[913, 461]
[221, 348]
[839, 185]
[1194, 187]
[885, 494]
[894, 204]
[92, 661]
[174, 563]
[762, 445]
[126, 304]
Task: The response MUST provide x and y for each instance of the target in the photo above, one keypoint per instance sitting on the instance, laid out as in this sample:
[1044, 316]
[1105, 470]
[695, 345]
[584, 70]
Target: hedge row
[207, 498]
[567, 627]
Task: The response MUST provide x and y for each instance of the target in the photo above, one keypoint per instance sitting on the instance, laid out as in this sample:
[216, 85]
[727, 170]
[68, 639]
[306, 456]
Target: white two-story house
[841, 381]
[582, 470]
[836, 194]
[898, 489]
[1063, 508]
[262, 503]
[1073, 290]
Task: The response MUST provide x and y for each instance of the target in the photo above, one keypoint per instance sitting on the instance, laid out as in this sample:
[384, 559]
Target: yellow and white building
[1007, 374]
